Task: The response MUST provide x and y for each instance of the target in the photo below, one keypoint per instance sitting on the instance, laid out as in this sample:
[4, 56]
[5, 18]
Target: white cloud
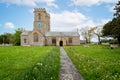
[68, 21]
[111, 9]
[91, 2]
[104, 21]
[9, 25]
[32, 3]
[52, 4]
[108, 1]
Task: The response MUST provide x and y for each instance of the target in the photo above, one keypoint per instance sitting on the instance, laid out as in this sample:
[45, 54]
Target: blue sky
[66, 15]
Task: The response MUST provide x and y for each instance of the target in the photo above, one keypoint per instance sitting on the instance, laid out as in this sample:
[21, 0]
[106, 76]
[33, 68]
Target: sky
[65, 15]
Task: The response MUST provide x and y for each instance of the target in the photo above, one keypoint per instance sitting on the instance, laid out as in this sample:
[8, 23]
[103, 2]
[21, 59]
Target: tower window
[39, 17]
[35, 37]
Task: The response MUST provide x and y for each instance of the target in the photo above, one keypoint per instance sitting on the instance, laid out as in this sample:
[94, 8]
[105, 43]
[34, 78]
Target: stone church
[42, 36]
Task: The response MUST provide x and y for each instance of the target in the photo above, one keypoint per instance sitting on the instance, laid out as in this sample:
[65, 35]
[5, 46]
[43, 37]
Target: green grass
[29, 63]
[96, 62]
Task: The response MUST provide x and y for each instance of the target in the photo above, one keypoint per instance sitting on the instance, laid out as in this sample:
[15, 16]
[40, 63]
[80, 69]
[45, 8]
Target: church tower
[41, 35]
[41, 21]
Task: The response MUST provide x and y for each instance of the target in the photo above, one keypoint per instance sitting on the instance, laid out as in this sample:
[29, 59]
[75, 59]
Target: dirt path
[68, 70]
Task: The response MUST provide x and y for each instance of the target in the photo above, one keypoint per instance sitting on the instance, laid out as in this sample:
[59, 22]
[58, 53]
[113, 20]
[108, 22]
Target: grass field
[29, 63]
[96, 62]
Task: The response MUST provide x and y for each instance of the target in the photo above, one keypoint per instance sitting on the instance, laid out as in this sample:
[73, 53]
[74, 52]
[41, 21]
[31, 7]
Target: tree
[112, 28]
[1, 39]
[98, 32]
[17, 35]
[90, 33]
[117, 8]
[86, 34]
[6, 38]
[83, 32]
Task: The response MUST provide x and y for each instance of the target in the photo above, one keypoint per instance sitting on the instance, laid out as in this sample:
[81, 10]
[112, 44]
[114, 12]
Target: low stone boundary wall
[112, 46]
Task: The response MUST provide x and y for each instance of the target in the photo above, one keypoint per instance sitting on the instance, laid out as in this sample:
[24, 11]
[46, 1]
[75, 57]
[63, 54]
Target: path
[68, 70]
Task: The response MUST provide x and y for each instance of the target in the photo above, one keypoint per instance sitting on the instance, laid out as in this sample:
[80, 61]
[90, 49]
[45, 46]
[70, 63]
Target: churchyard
[94, 62]
[29, 63]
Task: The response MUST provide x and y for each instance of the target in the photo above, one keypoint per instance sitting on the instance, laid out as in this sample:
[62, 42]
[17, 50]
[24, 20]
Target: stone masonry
[42, 36]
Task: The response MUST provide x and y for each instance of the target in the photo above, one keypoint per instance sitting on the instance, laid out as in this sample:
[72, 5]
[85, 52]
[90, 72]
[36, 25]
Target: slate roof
[62, 34]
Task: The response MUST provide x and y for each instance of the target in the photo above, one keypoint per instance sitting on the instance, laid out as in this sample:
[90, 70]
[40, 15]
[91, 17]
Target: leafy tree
[6, 38]
[17, 35]
[112, 28]
[86, 33]
[98, 32]
[1, 39]
[90, 33]
[117, 8]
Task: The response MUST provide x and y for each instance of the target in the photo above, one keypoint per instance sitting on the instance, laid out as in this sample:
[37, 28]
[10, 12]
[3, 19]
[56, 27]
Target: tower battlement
[39, 9]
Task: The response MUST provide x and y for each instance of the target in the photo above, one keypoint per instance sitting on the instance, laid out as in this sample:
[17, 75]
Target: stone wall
[42, 41]
[30, 39]
[65, 40]
[22, 40]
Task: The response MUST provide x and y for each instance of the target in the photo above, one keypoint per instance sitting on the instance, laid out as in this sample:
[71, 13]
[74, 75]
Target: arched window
[25, 40]
[35, 37]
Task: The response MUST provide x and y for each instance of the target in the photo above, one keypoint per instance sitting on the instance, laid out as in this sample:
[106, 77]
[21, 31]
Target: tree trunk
[99, 42]
[86, 40]
[118, 38]
[89, 41]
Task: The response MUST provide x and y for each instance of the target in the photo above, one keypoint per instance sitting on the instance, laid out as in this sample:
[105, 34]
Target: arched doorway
[61, 43]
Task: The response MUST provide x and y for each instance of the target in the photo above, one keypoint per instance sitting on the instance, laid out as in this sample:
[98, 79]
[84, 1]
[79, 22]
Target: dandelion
[115, 75]
[39, 64]
[26, 76]
[35, 68]
[51, 78]
[45, 65]
[34, 79]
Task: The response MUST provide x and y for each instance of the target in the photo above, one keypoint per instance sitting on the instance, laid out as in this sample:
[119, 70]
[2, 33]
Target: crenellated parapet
[40, 9]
